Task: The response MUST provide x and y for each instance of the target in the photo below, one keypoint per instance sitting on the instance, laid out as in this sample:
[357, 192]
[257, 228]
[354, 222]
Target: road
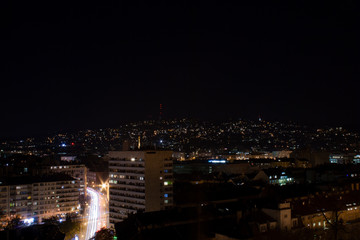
[97, 214]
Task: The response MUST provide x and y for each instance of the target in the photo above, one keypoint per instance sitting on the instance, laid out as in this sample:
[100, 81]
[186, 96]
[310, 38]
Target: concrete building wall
[139, 181]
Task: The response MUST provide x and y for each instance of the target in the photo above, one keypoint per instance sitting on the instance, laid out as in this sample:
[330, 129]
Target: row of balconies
[47, 206]
[129, 171]
[44, 184]
[138, 167]
[65, 187]
[127, 189]
[44, 206]
[127, 201]
[129, 165]
[129, 196]
[36, 193]
[75, 191]
[44, 188]
[131, 181]
[115, 208]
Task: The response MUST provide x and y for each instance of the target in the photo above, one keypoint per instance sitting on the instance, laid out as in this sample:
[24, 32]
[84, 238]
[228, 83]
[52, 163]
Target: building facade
[77, 171]
[38, 197]
[140, 181]
[282, 214]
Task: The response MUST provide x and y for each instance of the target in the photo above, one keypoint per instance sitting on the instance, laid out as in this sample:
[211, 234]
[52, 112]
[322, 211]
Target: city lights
[28, 221]
[180, 120]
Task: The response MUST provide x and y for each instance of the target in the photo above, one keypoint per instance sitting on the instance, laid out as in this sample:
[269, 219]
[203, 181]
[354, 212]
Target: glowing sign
[216, 161]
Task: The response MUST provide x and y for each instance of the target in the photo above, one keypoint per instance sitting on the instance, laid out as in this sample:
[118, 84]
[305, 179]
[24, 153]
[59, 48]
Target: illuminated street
[97, 214]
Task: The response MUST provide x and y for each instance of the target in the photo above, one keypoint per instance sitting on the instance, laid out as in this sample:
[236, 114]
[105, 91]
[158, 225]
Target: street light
[105, 186]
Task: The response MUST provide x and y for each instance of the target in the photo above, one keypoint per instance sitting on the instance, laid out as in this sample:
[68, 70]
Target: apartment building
[139, 181]
[77, 171]
[38, 197]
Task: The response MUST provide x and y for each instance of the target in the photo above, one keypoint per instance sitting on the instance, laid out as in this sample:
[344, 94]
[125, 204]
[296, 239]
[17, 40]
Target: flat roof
[23, 180]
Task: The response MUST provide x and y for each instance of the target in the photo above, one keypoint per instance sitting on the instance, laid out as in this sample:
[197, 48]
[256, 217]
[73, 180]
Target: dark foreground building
[39, 232]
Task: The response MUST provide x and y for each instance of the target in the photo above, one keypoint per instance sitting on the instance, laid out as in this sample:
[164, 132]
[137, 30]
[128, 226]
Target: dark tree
[104, 234]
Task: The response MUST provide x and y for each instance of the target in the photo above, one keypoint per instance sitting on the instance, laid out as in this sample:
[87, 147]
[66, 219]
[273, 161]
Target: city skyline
[95, 65]
[178, 120]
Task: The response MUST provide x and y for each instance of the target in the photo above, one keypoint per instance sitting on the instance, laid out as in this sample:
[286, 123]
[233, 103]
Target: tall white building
[139, 181]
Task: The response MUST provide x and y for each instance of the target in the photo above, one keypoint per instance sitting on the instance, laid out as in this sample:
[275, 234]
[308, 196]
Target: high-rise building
[140, 181]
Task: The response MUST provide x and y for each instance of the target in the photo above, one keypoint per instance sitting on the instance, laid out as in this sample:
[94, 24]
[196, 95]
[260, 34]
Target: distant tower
[260, 118]
[139, 143]
[160, 111]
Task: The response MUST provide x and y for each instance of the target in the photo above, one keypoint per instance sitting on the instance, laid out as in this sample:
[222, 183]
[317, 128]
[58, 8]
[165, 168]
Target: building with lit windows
[356, 159]
[278, 176]
[140, 181]
[38, 197]
[341, 158]
[77, 171]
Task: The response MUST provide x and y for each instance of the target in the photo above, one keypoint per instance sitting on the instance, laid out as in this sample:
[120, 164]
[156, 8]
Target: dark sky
[86, 64]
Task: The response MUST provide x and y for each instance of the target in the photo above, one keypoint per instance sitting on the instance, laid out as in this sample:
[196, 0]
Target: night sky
[86, 64]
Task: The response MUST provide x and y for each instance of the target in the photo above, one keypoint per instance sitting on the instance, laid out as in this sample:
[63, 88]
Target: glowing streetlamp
[105, 186]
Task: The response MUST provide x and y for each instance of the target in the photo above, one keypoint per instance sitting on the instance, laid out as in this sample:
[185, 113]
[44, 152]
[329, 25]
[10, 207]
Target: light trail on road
[94, 214]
